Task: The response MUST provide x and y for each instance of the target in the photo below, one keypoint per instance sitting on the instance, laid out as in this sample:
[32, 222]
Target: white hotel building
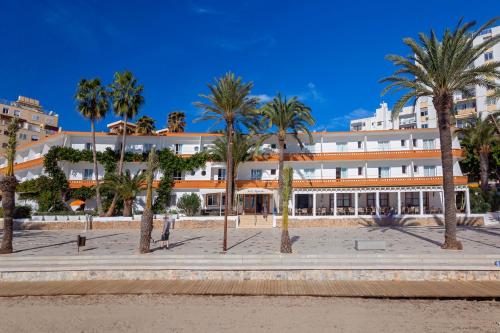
[357, 173]
[475, 101]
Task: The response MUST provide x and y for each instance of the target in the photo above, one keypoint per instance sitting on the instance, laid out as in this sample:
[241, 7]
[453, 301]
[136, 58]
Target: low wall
[422, 221]
[218, 222]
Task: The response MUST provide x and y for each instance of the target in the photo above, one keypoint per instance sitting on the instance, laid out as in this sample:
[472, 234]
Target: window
[370, 200]
[273, 146]
[415, 169]
[491, 101]
[256, 174]
[178, 148]
[34, 138]
[360, 144]
[309, 173]
[357, 127]
[284, 146]
[35, 117]
[383, 172]
[4, 145]
[196, 149]
[193, 173]
[415, 143]
[221, 174]
[337, 173]
[49, 121]
[429, 171]
[429, 144]
[88, 174]
[17, 113]
[88, 146]
[343, 173]
[424, 112]
[212, 199]
[425, 125]
[341, 146]
[403, 169]
[22, 136]
[343, 199]
[172, 200]
[383, 145]
[412, 199]
[379, 123]
[360, 171]
[204, 173]
[403, 143]
[273, 172]
[147, 147]
[177, 175]
[488, 56]
[5, 110]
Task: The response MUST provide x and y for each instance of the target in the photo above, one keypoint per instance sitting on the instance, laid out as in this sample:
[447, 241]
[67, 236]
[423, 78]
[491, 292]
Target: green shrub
[479, 201]
[20, 212]
[190, 204]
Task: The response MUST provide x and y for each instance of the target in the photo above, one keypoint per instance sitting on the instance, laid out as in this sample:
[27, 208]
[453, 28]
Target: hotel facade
[357, 173]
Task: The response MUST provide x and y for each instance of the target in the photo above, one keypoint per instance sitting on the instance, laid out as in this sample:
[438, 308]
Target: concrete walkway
[317, 241]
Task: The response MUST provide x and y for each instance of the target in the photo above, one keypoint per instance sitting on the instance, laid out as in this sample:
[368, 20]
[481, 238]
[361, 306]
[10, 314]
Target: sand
[161, 313]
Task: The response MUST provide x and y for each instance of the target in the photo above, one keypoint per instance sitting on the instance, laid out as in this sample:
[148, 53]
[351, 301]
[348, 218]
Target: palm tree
[8, 186]
[481, 134]
[93, 104]
[228, 102]
[176, 122]
[145, 125]
[127, 99]
[438, 69]
[147, 214]
[283, 115]
[127, 187]
[286, 244]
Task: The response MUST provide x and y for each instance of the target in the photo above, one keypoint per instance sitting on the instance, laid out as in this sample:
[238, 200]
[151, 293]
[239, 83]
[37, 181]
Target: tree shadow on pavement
[244, 240]
[62, 243]
[176, 244]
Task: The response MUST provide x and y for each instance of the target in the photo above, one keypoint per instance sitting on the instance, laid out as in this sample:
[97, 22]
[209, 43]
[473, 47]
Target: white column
[377, 203]
[334, 203]
[314, 204]
[467, 202]
[220, 204]
[421, 201]
[442, 201]
[399, 202]
[321, 145]
[355, 203]
[293, 204]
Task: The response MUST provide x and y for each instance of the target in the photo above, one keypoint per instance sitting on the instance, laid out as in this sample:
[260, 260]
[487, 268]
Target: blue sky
[329, 53]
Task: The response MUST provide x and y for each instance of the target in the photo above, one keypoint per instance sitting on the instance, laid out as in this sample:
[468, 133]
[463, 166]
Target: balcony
[465, 113]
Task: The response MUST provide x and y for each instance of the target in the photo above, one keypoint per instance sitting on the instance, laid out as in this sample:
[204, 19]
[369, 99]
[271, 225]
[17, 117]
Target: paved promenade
[321, 241]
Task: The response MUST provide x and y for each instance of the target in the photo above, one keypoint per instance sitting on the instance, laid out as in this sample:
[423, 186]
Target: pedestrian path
[376, 289]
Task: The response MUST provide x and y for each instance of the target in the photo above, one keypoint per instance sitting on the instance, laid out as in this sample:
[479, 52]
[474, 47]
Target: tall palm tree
[92, 99]
[145, 125]
[147, 214]
[176, 122]
[286, 244]
[282, 116]
[8, 186]
[127, 186]
[436, 69]
[481, 134]
[228, 102]
[127, 98]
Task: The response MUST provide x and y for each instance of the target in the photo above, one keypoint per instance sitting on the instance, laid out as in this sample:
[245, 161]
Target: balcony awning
[255, 191]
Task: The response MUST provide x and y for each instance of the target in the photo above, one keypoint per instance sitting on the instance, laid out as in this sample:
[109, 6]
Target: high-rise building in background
[474, 101]
[35, 122]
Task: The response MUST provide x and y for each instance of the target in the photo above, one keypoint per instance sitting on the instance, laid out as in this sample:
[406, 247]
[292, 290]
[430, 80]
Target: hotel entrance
[254, 201]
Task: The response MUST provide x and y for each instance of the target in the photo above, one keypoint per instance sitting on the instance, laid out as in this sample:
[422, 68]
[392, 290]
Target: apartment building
[474, 101]
[354, 173]
[35, 123]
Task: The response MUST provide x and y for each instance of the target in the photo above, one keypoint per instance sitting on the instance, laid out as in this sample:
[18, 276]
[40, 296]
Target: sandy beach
[160, 313]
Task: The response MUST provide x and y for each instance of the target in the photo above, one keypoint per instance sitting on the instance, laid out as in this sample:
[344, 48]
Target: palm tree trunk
[229, 180]
[484, 167]
[146, 229]
[286, 244]
[8, 187]
[443, 105]
[127, 207]
[96, 172]
[281, 143]
[120, 164]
